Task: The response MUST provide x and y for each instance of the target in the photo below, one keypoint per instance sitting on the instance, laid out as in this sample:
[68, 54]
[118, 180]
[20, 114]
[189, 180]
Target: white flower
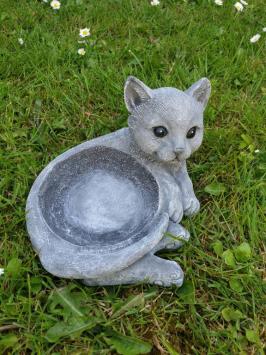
[155, 2]
[256, 151]
[219, 2]
[81, 51]
[239, 6]
[20, 41]
[84, 32]
[55, 4]
[45, 1]
[264, 29]
[255, 38]
[2, 271]
[243, 2]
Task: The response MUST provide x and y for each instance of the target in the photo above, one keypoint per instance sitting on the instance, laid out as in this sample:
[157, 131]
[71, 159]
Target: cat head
[166, 123]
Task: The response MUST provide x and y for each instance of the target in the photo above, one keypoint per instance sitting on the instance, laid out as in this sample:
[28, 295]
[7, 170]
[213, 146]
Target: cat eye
[160, 131]
[191, 133]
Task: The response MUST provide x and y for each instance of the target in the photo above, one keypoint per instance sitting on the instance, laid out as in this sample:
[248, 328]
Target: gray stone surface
[100, 211]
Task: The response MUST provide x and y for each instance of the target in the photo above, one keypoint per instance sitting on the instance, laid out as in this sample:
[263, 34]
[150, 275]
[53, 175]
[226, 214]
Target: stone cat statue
[165, 128]
[74, 225]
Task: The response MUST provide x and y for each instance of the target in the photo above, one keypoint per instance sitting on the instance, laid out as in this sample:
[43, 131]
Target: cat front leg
[171, 194]
[190, 202]
[175, 207]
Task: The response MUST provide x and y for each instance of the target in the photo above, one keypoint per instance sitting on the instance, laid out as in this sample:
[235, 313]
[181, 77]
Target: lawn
[52, 98]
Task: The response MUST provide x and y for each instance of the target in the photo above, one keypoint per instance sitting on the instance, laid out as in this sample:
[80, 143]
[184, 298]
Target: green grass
[51, 99]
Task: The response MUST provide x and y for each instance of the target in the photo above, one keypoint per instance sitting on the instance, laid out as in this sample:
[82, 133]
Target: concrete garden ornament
[100, 211]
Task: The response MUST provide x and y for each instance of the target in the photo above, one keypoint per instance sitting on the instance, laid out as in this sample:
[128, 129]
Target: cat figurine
[165, 126]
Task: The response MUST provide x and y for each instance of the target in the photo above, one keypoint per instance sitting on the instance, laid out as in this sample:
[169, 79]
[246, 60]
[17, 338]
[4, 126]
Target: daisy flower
[84, 32]
[256, 151]
[219, 2]
[255, 38]
[155, 2]
[21, 41]
[81, 51]
[264, 29]
[239, 7]
[2, 271]
[55, 4]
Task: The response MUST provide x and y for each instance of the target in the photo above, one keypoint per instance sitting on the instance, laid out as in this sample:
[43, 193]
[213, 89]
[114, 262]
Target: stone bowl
[93, 211]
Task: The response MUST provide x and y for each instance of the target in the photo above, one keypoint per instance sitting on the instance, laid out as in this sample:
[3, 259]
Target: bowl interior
[100, 198]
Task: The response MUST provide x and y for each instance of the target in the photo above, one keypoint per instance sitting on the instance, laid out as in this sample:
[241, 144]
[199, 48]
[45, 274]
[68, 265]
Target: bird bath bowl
[94, 211]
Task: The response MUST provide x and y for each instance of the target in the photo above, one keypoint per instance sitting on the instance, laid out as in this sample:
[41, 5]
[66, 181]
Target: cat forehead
[174, 99]
[171, 104]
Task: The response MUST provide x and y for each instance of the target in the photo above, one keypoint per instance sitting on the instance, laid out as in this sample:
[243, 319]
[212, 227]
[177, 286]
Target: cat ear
[201, 91]
[135, 93]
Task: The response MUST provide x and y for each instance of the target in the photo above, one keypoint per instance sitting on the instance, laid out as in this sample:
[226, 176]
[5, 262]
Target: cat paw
[191, 206]
[177, 215]
[178, 231]
[179, 235]
[175, 277]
